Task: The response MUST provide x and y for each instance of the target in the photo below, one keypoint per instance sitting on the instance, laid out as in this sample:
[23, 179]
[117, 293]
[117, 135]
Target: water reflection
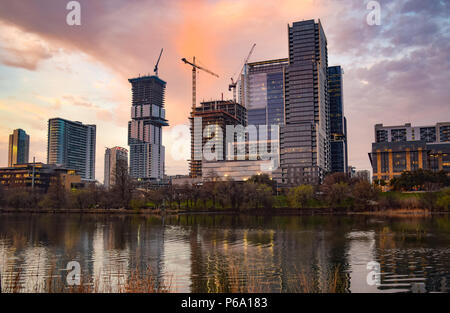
[224, 253]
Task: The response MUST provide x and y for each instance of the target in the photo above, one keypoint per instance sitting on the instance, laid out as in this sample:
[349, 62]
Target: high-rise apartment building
[72, 145]
[19, 147]
[305, 137]
[147, 153]
[114, 158]
[338, 122]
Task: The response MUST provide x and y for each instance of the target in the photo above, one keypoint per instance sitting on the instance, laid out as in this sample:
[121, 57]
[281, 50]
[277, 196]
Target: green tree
[299, 196]
[335, 194]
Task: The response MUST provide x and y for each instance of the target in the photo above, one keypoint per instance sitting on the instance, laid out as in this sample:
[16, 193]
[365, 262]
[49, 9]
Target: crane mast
[233, 84]
[157, 63]
[196, 67]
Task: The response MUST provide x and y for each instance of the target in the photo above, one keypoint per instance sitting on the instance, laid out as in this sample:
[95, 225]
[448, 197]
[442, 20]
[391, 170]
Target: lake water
[216, 253]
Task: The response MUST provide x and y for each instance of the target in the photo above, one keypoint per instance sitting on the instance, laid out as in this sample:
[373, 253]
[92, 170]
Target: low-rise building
[406, 148]
[39, 176]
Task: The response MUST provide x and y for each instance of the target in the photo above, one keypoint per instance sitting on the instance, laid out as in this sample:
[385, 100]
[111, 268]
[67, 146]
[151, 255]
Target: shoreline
[273, 212]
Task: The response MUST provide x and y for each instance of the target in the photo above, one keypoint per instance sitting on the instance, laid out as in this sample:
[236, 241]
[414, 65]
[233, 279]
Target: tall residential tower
[145, 128]
[72, 145]
[305, 138]
[19, 147]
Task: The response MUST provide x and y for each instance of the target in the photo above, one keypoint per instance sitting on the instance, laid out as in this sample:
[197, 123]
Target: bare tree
[56, 197]
[123, 186]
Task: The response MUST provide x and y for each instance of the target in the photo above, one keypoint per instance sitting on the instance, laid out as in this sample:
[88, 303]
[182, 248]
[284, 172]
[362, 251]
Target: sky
[396, 72]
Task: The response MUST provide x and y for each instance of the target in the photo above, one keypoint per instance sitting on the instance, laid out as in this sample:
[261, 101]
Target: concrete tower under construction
[145, 128]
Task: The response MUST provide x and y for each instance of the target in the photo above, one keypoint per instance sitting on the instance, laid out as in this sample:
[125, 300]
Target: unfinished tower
[145, 128]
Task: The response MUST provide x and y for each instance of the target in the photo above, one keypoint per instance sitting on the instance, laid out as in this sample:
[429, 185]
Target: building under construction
[219, 113]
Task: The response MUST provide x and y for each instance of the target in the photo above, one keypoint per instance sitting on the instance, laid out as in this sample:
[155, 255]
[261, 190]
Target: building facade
[72, 145]
[338, 122]
[19, 147]
[38, 176]
[406, 148]
[208, 124]
[114, 158]
[236, 170]
[147, 154]
[262, 92]
[305, 137]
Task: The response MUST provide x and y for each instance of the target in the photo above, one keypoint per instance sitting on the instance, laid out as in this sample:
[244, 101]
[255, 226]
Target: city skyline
[58, 70]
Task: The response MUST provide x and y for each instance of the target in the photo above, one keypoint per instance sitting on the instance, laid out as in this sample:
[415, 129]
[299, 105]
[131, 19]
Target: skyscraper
[145, 128]
[305, 138]
[19, 147]
[262, 92]
[114, 157]
[338, 123]
[72, 144]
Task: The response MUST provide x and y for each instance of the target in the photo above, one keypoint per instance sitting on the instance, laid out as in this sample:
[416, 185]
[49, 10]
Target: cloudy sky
[395, 73]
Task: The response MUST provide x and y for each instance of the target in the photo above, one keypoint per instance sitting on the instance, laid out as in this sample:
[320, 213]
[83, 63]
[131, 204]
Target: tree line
[338, 191]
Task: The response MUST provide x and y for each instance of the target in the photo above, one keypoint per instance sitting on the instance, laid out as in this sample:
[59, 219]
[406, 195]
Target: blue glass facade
[263, 94]
[338, 127]
[72, 145]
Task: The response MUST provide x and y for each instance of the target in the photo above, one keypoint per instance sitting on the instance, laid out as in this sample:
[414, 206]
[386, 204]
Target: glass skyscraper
[262, 92]
[72, 145]
[338, 123]
[145, 128]
[19, 147]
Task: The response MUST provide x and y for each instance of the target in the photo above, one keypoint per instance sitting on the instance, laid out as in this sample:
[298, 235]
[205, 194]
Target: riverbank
[278, 211]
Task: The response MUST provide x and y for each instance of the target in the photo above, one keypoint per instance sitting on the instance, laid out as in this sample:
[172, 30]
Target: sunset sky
[395, 73]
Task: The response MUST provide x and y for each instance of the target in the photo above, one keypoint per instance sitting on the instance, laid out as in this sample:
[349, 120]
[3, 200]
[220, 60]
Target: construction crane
[194, 79]
[156, 66]
[233, 84]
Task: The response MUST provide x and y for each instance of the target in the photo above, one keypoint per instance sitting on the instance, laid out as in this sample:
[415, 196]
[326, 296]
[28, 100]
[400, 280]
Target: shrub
[429, 200]
[389, 201]
[138, 203]
[410, 203]
[443, 201]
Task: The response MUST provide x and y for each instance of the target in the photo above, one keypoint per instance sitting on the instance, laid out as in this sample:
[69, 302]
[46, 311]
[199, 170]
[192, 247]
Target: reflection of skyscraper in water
[361, 251]
[110, 264]
[35, 267]
[147, 249]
